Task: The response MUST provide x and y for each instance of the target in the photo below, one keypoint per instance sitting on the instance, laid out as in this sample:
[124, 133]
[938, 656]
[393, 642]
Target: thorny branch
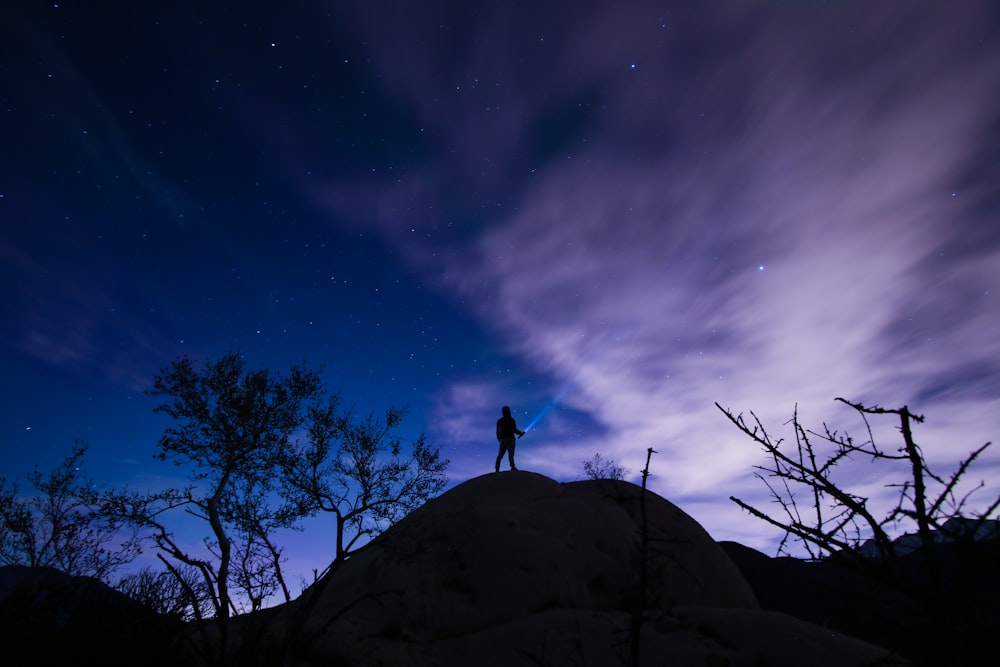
[839, 518]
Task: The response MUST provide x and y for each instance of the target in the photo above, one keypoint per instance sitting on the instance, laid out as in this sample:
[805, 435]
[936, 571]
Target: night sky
[612, 215]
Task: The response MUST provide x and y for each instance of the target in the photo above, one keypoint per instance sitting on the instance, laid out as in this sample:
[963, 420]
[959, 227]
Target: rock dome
[515, 568]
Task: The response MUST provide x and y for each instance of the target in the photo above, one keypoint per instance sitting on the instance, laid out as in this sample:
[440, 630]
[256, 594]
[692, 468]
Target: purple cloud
[760, 208]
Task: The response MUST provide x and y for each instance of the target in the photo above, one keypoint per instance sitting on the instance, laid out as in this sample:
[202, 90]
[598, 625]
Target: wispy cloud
[758, 209]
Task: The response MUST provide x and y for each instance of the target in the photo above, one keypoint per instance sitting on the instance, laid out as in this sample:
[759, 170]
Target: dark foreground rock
[50, 618]
[504, 570]
[518, 569]
[957, 626]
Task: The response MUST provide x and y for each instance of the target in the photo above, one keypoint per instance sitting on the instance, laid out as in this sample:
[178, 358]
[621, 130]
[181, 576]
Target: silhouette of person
[506, 430]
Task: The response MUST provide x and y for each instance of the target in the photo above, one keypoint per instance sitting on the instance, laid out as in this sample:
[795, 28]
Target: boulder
[515, 568]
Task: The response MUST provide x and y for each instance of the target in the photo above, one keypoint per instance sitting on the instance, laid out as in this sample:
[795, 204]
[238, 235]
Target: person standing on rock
[506, 431]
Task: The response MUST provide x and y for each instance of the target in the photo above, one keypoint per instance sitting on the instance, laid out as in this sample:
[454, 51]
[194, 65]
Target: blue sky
[621, 214]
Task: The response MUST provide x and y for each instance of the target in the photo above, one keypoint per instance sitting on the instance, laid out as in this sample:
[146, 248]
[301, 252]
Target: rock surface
[51, 618]
[515, 568]
[956, 631]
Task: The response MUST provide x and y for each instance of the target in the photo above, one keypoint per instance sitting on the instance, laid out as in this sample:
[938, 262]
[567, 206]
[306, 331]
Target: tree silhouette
[237, 433]
[232, 424]
[354, 468]
[61, 526]
[598, 467]
[834, 519]
[166, 594]
[942, 568]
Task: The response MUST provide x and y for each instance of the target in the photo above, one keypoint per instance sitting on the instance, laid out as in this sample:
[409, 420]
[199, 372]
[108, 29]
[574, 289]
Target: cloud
[759, 213]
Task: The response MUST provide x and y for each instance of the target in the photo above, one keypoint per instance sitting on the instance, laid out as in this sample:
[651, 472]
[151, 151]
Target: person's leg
[510, 453]
[500, 455]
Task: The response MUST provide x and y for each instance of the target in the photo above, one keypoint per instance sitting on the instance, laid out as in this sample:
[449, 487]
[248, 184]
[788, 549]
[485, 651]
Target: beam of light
[548, 407]
[541, 413]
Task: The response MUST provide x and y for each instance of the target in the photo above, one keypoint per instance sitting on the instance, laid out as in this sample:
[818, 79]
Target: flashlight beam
[544, 411]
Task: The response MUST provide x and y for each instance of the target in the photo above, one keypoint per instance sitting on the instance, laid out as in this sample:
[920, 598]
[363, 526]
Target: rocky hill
[518, 569]
[938, 608]
[505, 569]
[51, 618]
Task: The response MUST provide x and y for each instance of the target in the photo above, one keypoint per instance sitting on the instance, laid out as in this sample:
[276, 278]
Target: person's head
[505, 410]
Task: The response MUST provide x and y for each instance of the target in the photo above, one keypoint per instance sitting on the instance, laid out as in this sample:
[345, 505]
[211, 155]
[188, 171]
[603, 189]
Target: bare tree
[834, 519]
[60, 526]
[232, 424]
[636, 617]
[598, 467]
[237, 433]
[357, 470]
[942, 569]
[168, 594]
